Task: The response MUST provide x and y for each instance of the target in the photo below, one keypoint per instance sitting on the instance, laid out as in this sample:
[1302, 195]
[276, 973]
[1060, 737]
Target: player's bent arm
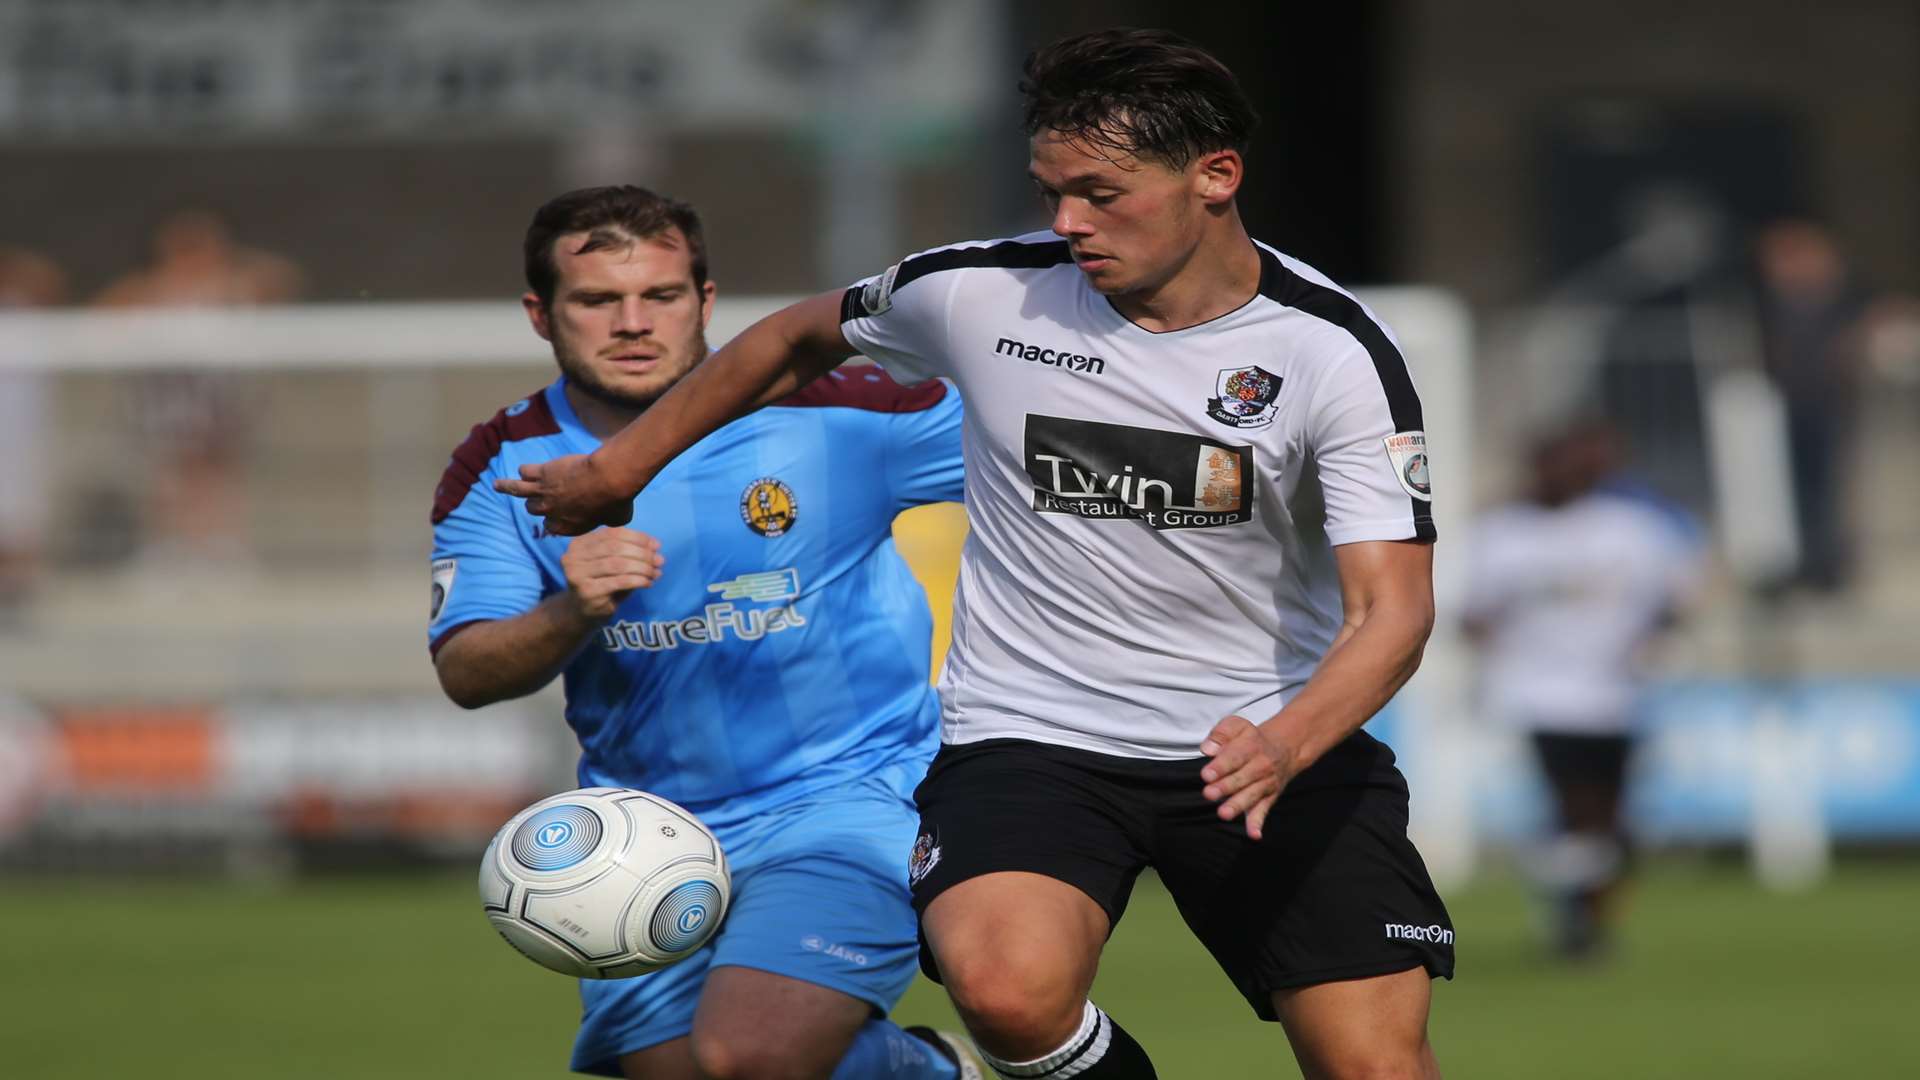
[508, 658]
[495, 660]
[1386, 588]
[767, 361]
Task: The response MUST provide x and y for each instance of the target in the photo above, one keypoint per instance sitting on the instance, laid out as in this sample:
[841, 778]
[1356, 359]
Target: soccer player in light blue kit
[754, 649]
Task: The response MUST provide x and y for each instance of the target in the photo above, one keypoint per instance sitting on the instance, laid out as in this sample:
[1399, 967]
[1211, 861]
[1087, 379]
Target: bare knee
[1361, 1029]
[755, 1025]
[1014, 1009]
[734, 1056]
[1019, 981]
[1393, 1062]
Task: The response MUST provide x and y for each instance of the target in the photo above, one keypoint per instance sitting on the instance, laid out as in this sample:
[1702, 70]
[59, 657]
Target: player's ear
[1217, 176]
[537, 315]
[707, 293]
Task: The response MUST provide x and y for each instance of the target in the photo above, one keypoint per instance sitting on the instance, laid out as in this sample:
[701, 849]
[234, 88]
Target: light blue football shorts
[819, 894]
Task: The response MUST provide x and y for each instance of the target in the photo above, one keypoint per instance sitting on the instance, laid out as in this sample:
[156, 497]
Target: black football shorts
[1333, 891]
[1574, 758]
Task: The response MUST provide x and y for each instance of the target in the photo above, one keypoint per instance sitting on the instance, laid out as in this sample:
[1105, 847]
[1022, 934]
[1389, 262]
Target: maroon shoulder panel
[525, 419]
[865, 386]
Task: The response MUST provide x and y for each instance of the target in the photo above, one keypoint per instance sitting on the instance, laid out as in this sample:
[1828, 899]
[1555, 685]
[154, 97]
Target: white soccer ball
[605, 883]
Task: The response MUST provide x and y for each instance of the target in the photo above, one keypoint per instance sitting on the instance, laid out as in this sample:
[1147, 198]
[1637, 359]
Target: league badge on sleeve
[876, 297]
[1407, 450]
[1245, 397]
[442, 585]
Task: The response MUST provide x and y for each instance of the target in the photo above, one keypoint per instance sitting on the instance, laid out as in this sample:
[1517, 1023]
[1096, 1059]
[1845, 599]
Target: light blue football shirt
[784, 649]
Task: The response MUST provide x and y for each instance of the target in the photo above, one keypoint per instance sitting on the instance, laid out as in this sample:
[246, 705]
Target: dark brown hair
[611, 217]
[1150, 93]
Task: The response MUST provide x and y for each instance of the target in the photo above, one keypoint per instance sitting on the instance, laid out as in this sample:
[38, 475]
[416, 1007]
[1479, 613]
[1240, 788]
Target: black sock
[1099, 1050]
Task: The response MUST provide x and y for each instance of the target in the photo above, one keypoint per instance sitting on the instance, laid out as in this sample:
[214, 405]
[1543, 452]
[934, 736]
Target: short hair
[1150, 93]
[612, 216]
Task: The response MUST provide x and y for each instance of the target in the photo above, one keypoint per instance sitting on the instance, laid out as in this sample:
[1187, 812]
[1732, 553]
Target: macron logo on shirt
[1060, 358]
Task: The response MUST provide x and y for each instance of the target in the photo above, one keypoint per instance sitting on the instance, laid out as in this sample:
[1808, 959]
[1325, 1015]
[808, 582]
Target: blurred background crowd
[1653, 264]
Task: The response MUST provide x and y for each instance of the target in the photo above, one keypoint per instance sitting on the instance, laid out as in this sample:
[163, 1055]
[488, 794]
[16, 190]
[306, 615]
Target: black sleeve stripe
[1286, 287]
[1010, 254]
[1283, 286]
[850, 306]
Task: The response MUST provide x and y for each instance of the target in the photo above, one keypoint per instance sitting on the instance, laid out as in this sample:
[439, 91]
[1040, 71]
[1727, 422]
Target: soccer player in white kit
[1568, 587]
[1200, 561]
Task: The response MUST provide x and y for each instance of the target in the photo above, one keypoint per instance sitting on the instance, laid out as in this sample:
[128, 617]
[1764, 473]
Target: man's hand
[604, 566]
[1248, 769]
[573, 493]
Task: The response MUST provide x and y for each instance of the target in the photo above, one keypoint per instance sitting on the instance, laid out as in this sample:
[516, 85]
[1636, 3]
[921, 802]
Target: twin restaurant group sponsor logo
[1168, 479]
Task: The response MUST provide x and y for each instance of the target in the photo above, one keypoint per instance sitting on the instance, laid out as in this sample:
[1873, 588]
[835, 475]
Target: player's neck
[1221, 275]
[600, 418]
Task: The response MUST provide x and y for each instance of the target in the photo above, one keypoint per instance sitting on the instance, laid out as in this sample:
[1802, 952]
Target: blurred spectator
[1567, 588]
[27, 280]
[196, 423]
[1813, 331]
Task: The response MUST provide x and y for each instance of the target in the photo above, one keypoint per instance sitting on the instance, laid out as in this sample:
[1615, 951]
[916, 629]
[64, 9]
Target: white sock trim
[1082, 1051]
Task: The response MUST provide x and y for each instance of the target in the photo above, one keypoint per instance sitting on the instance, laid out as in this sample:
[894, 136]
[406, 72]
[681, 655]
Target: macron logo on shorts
[1435, 934]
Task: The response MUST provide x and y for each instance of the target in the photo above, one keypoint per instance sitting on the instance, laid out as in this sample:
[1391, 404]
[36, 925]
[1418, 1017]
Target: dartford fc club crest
[768, 508]
[926, 856]
[1245, 397]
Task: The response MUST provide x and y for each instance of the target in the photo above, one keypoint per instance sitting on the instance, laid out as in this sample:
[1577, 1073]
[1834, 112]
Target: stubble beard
[581, 375]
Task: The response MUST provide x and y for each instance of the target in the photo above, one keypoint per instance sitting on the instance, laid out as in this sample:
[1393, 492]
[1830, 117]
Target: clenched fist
[604, 566]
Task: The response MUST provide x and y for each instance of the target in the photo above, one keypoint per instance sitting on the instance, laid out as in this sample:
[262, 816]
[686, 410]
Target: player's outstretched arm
[769, 360]
[502, 659]
[1386, 587]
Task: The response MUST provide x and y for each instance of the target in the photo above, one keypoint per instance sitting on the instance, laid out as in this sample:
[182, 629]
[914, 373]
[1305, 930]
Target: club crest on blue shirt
[1245, 397]
[768, 507]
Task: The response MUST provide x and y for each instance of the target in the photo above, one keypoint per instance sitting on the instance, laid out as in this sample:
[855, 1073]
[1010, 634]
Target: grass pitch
[401, 977]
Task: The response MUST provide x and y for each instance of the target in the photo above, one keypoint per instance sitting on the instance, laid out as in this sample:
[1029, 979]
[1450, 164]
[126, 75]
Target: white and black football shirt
[1153, 514]
[1571, 595]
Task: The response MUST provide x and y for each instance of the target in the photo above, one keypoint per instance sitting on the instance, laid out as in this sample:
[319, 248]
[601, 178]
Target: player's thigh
[671, 1060]
[820, 896]
[1025, 859]
[756, 1023]
[640, 1019]
[1333, 891]
[1373, 1027]
[1013, 806]
[1009, 941]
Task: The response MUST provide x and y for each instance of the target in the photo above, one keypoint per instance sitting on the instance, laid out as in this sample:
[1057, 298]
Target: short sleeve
[899, 320]
[1372, 463]
[481, 569]
[924, 463]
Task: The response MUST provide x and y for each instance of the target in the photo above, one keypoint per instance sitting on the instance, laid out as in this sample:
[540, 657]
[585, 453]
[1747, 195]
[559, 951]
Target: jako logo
[816, 943]
[1437, 934]
[1059, 358]
[554, 835]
